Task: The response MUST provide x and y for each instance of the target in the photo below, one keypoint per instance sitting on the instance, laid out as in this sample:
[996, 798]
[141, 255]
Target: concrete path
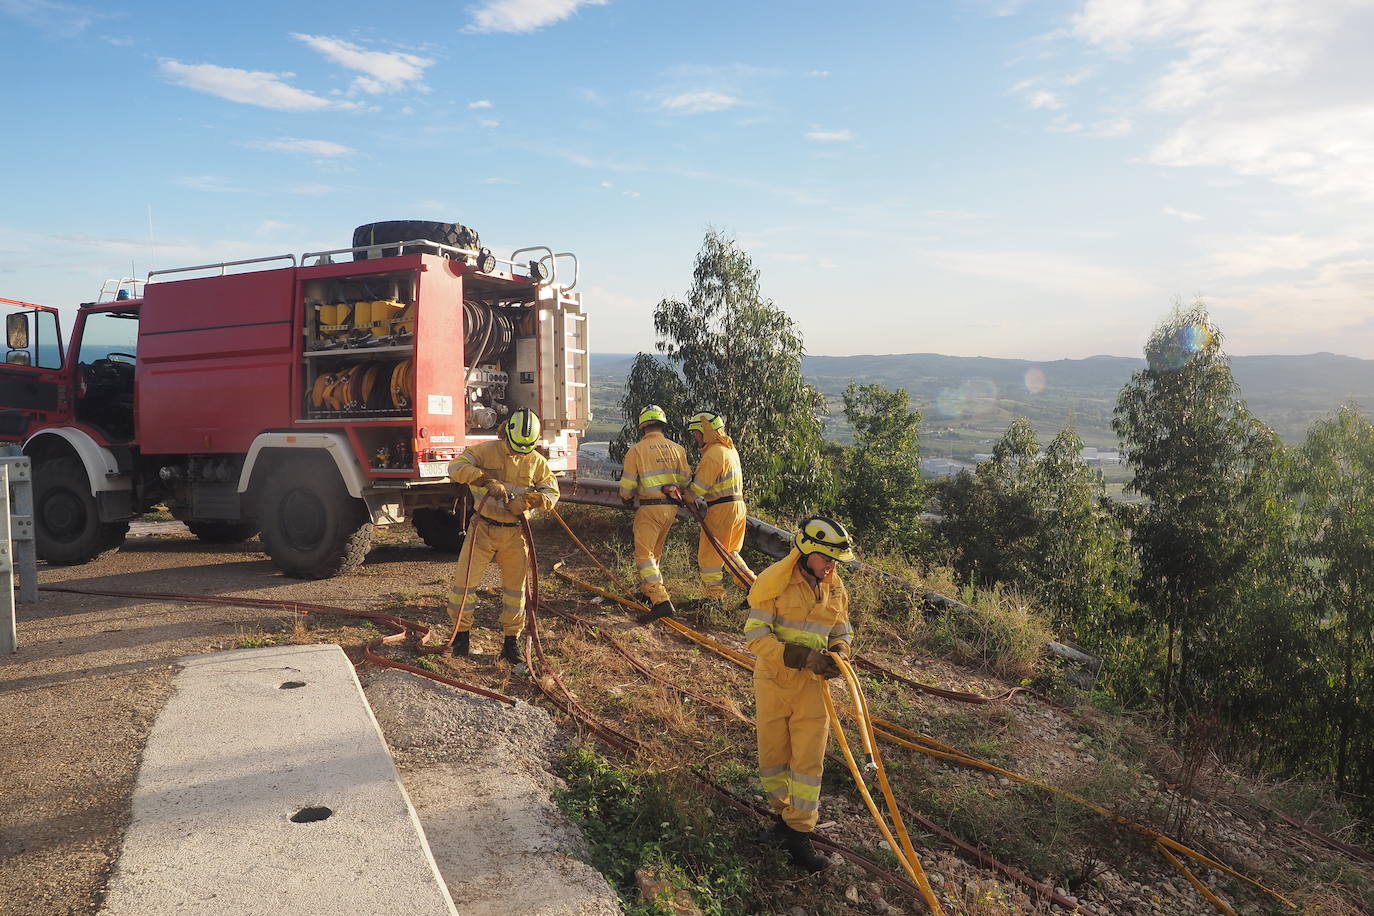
[248, 740]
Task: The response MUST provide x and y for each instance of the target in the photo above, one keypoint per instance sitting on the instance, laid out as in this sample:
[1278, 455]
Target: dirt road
[78, 699]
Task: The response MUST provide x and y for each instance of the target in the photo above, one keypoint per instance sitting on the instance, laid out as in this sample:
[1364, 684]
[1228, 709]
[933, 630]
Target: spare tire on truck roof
[371, 235]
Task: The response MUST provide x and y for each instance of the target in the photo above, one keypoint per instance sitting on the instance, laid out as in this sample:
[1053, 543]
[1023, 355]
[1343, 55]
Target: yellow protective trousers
[651, 527]
[484, 542]
[726, 521]
[793, 731]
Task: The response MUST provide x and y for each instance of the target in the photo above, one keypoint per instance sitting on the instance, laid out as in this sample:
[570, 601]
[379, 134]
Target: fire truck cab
[304, 398]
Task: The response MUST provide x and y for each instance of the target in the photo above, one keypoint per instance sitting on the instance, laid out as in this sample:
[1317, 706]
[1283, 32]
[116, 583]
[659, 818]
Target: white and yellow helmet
[705, 418]
[818, 534]
[522, 431]
[653, 414]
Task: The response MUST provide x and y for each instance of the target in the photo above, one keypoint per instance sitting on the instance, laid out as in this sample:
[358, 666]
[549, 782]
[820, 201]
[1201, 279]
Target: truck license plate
[433, 468]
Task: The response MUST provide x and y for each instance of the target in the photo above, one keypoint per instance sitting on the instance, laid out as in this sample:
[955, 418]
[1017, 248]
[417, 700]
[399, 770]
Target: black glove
[795, 656]
[813, 660]
[824, 664]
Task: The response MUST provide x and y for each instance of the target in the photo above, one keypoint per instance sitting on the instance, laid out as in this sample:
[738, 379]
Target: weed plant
[636, 818]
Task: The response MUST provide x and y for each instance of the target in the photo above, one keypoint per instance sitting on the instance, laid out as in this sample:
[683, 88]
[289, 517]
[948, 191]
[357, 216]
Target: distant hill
[969, 400]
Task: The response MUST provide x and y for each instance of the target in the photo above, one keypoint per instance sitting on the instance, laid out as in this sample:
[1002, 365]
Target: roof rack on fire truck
[113, 290]
[543, 270]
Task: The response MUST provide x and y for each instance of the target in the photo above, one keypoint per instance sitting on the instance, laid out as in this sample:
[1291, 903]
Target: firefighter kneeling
[799, 610]
[507, 478]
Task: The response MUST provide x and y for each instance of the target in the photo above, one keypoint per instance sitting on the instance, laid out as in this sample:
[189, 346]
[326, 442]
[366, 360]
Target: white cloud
[820, 73]
[488, 122]
[327, 148]
[272, 227]
[1252, 255]
[1046, 270]
[698, 102]
[480, 103]
[630, 193]
[523, 15]
[62, 19]
[1184, 215]
[498, 181]
[830, 136]
[1043, 98]
[607, 184]
[206, 183]
[251, 87]
[1274, 89]
[313, 189]
[383, 71]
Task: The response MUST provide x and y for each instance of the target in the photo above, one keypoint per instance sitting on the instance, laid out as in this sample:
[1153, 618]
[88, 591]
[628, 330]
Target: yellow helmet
[826, 536]
[700, 421]
[522, 431]
[653, 414]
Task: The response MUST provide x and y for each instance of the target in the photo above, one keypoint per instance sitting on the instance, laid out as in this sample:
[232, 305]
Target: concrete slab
[234, 755]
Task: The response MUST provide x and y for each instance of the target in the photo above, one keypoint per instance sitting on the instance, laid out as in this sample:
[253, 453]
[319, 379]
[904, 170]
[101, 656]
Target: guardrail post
[9, 636]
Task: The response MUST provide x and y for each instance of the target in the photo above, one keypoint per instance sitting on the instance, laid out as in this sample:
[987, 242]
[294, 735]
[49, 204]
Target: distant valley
[968, 402]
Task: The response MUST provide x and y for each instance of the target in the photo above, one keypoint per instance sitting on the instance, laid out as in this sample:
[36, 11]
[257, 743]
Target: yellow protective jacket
[519, 473]
[718, 473]
[784, 608]
[651, 464]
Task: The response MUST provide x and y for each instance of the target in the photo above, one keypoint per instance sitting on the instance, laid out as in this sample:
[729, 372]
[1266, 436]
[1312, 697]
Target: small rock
[851, 894]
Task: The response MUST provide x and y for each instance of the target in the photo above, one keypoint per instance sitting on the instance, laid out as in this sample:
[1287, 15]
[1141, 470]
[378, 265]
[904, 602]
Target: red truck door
[33, 388]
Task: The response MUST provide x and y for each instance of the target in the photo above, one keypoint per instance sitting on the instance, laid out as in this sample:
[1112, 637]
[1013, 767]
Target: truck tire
[223, 532]
[67, 526]
[311, 527]
[454, 234]
[440, 529]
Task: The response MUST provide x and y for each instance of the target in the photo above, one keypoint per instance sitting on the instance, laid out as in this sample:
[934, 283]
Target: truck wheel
[311, 527]
[454, 234]
[440, 529]
[67, 525]
[223, 532]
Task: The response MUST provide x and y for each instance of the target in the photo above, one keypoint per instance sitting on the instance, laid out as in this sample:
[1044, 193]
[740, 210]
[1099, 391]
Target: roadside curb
[248, 740]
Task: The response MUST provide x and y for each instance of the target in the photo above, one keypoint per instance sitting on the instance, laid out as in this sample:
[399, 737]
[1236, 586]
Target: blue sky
[986, 177]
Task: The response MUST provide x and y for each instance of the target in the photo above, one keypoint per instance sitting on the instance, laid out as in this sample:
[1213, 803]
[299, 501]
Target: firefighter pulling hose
[509, 478]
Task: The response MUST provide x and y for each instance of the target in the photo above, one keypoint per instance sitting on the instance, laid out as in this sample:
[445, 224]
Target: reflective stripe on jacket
[651, 464]
[519, 473]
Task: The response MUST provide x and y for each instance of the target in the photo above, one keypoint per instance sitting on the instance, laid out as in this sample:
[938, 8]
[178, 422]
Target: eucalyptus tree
[1335, 478]
[882, 492]
[1204, 464]
[727, 349]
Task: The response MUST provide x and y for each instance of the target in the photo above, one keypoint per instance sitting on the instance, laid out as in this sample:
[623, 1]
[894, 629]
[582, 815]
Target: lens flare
[1035, 380]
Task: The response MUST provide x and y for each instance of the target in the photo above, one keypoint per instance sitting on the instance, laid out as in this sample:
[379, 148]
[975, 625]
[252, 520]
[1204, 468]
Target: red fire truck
[308, 398]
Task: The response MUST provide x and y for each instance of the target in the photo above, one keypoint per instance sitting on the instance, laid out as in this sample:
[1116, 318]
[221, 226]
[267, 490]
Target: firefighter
[718, 483]
[799, 613]
[655, 470]
[513, 478]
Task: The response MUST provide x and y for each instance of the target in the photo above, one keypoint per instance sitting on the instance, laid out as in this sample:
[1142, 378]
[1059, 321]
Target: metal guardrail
[17, 554]
[776, 542]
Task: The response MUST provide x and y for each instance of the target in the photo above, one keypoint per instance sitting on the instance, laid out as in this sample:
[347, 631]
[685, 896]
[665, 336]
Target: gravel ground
[79, 697]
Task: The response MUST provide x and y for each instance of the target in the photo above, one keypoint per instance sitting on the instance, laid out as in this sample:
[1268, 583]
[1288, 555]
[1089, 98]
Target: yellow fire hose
[870, 730]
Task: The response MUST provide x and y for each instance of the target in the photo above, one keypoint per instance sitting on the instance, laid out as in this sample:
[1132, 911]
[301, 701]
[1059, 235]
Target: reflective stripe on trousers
[792, 734]
[485, 543]
[727, 522]
[651, 526]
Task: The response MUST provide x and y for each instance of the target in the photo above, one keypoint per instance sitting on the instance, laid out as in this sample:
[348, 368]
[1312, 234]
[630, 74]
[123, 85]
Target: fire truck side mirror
[17, 331]
[19, 358]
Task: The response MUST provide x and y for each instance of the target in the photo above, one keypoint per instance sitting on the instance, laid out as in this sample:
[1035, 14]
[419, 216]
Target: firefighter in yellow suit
[514, 478]
[718, 482]
[799, 612]
[655, 471]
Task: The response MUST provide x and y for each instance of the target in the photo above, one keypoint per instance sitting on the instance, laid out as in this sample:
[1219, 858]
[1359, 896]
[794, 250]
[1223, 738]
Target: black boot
[462, 644]
[663, 609]
[804, 855]
[510, 650]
